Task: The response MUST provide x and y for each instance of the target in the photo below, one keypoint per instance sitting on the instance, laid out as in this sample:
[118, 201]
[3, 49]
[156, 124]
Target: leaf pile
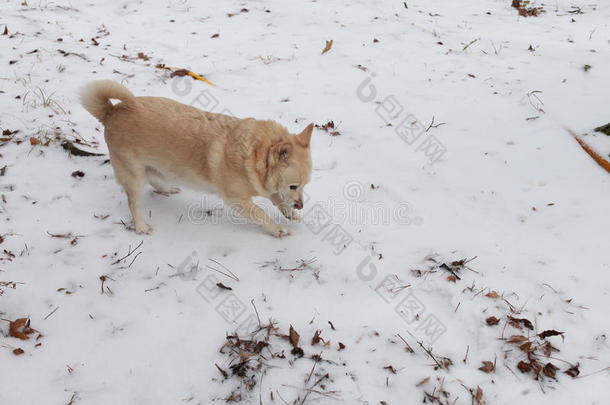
[329, 127]
[248, 359]
[525, 10]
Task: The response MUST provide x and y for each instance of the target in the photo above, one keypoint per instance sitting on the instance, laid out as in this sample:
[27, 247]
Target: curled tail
[95, 97]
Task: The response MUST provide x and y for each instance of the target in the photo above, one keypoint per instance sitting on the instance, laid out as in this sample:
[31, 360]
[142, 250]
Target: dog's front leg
[284, 207]
[250, 210]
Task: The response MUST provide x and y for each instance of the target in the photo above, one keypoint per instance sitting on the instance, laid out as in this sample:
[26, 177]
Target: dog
[162, 142]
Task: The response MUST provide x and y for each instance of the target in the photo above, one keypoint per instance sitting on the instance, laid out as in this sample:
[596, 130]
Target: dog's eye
[294, 186]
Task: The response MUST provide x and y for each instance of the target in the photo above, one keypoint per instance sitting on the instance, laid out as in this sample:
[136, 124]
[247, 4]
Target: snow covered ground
[448, 145]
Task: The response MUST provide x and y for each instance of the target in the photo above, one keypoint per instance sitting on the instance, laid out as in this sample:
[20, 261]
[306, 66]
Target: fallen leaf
[548, 348]
[573, 371]
[327, 47]
[479, 395]
[549, 370]
[215, 36]
[20, 328]
[143, 56]
[519, 322]
[550, 332]
[18, 351]
[488, 367]
[293, 337]
[341, 346]
[422, 382]
[316, 337]
[524, 367]
[34, 141]
[527, 347]
[492, 320]
[78, 173]
[517, 339]
[223, 287]
[492, 295]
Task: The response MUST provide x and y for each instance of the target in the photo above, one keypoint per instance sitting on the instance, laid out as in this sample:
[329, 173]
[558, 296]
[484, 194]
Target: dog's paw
[144, 229]
[280, 232]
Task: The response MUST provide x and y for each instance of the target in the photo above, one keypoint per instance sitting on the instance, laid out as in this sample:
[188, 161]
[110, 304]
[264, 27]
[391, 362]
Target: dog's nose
[298, 205]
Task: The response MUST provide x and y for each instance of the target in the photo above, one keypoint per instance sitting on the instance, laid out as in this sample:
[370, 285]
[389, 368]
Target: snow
[518, 194]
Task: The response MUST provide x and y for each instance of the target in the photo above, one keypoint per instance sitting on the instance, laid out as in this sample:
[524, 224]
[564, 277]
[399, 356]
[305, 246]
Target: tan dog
[159, 141]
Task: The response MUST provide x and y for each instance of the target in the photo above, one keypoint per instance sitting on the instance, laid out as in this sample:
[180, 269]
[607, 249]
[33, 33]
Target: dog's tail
[95, 97]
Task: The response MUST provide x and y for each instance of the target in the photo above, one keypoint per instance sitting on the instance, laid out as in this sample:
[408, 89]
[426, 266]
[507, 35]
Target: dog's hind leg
[133, 179]
[157, 181]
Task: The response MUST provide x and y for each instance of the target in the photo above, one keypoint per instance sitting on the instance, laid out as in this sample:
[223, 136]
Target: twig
[130, 252]
[409, 348]
[434, 126]
[52, 312]
[256, 311]
[429, 353]
[230, 275]
[134, 259]
[466, 46]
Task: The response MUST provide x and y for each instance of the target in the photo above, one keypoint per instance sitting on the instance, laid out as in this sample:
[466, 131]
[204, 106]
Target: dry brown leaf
[422, 382]
[18, 351]
[520, 322]
[492, 295]
[316, 337]
[550, 332]
[479, 396]
[548, 348]
[488, 367]
[223, 287]
[20, 328]
[328, 46]
[492, 320]
[293, 337]
[517, 339]
[34, 141]
[527, 347]
[550, 370]
[524, 367]
[573, 371]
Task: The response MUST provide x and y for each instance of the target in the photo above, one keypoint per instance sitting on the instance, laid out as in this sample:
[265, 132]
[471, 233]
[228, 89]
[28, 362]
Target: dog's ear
[280, 153]
[304, 137]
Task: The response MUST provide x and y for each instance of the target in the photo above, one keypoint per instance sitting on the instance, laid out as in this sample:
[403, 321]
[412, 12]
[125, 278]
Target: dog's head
[290, 164]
